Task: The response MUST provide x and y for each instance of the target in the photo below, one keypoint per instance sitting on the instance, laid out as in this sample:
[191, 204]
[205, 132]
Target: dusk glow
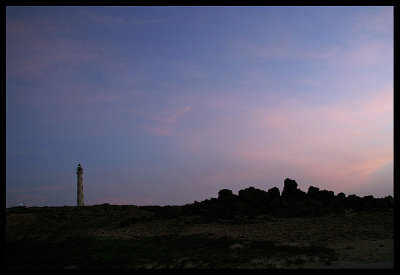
[168, 105]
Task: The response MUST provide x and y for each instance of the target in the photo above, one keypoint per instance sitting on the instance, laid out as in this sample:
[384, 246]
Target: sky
[169, 105]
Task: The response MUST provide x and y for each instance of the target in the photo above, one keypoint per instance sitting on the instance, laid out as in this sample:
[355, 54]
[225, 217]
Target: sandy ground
[365, 253]
[361, 240]
[364, 239]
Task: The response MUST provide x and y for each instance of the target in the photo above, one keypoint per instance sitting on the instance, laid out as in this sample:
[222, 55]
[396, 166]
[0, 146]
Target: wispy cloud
[366, 43]
[114, 20]
[344, 141]
[369, 53]
[373, 20]
[277, 50]
[161, 123]
[340, 144]
[47, 56]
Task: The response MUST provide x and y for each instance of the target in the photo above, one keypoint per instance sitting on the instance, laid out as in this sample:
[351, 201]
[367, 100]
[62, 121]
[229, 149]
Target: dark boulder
[225, 194]
[290, 191]
[313, 192]
[253, 194]
[341, 196]
[274, 193]
[326, 196]
[289, 187]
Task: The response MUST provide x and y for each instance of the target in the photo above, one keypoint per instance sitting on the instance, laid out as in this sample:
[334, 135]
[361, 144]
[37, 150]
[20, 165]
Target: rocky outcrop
[289, 187]
[292, 202]
[225, 194]
[290, 191]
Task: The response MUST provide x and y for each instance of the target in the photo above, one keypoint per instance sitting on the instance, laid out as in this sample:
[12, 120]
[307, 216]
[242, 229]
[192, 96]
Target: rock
[274, 193]
[289, 187]
[313, 191]
[341, 196]
[225, 194]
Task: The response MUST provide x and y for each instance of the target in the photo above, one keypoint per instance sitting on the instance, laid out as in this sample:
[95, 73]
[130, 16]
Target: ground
[108, 236]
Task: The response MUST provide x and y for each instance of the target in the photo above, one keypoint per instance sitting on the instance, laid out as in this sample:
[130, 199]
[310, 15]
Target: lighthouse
[79, 172]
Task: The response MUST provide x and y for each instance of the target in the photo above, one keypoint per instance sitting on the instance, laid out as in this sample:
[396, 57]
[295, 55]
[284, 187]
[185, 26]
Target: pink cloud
[171, 116]
[282, 49]
[336, 146]
[367, 53]
[342, 143]
[37, 47]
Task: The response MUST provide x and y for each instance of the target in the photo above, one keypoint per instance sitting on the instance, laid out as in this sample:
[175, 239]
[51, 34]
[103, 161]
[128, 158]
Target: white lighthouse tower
[79, 172]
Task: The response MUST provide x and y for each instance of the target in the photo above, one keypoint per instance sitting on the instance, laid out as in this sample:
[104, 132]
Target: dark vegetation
[68, 236]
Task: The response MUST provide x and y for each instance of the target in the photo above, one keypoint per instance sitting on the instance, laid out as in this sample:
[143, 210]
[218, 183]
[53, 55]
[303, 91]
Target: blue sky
[167, 105]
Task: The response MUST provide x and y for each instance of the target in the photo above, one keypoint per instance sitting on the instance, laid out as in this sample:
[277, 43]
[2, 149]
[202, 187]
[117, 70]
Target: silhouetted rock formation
[224, 194]
[289, 187]
[313, 192]
[293, 202]
[274, 193]
[290, 191]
